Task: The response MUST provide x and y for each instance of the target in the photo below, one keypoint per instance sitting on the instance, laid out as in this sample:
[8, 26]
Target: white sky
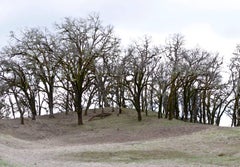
[210, 24]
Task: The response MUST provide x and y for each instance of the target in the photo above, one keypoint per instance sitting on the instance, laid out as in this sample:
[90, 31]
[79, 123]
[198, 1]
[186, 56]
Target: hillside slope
[116, 141]
[115, 128]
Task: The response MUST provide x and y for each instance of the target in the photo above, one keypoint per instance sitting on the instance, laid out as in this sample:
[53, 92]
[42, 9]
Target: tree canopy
[82, 63]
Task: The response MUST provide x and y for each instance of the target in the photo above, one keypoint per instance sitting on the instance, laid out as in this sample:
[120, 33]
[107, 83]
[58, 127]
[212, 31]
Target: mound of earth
[114, 128]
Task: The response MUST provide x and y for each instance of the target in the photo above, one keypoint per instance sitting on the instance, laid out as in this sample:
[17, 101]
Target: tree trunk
[238, 117]
[146, 101]
[87, 107]
[208, 107]
[12, 107]
[99, 99]
[139, 116]
[138, 107]
[204, 107]
[105, 100]
[80, 120]
[171, 103]
[120, 110]
[50, 98]
[50, 105]
[22, 118]
[78, 105]
[40, 103]
[194, 107]
[142, 102]
[33, 109]
[185, 103]
[160, 107]
[92, 93]
[151, 96]
[67, 104]
[33, 117]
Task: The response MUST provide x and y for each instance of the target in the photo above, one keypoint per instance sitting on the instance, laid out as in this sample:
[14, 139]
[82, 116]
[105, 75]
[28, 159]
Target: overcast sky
[211, 24]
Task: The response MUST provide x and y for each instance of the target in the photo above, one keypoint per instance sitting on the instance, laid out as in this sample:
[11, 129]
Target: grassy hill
[116, 141]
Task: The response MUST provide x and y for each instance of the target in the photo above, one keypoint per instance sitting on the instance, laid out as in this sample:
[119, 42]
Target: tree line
[82, 63]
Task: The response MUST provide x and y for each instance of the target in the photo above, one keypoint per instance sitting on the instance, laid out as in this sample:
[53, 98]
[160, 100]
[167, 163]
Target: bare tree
[162, 82]
[210, 81]
[191, 70]
[137, 60]
[39, 50]
[235, 80]
[21, 83]
[174, 53]
[81, 62]
[118, 73]
[84, 42]
[4, 106]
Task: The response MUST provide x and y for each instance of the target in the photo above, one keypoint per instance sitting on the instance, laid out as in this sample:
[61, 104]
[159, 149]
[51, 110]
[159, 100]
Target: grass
[128, 120]
[150, 156]
[218, 160]
[5, 164]
[126, 156]
[222, 147]
[215, 146]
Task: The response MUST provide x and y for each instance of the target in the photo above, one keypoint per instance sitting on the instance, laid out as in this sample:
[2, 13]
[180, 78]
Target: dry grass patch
[125, 156]
[6, 164]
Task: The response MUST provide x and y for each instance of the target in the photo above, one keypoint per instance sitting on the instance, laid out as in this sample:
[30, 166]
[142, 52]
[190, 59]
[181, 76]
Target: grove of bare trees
[82, 64]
